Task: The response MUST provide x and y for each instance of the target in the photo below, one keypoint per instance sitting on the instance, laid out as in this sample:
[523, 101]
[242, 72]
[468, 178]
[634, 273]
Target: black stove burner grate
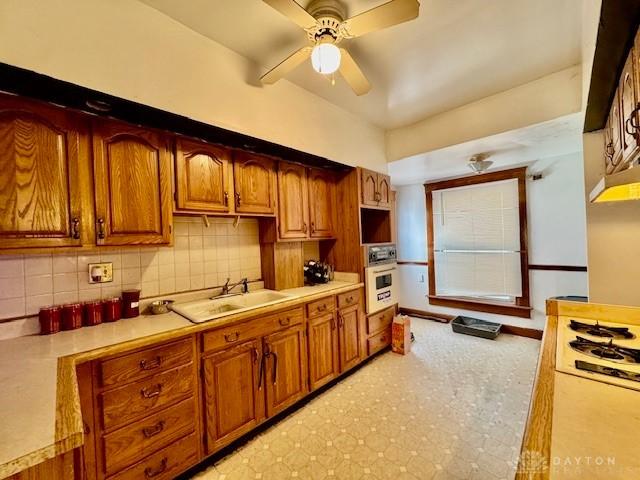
[606, 350]
[602, 331]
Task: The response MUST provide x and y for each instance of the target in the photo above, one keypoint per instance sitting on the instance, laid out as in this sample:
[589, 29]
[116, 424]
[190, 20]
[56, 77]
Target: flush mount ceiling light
[327, 25]
[479, 163]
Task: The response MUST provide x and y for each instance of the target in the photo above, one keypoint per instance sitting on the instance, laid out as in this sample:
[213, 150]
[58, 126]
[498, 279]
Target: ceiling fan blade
[352, 74]
[383, 16]
[288, 64]
[293, 11]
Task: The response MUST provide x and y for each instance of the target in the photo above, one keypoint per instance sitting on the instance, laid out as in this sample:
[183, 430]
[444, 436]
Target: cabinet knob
[75, 228]
[101, 228]
[226, 198]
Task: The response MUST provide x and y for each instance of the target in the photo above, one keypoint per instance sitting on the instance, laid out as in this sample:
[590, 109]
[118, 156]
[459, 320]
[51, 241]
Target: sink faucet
[226, 288]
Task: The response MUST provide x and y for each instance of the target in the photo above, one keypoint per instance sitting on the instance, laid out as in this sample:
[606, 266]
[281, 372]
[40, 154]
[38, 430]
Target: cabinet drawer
[165, 464]
[137, 365]
[236, 334]
[129, 444]
[320, 307]
[348, 299]
[380, 320]
[378, 341]
[124, 404]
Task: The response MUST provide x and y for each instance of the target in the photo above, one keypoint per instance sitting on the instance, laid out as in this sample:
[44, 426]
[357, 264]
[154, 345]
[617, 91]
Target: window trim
[522, 307]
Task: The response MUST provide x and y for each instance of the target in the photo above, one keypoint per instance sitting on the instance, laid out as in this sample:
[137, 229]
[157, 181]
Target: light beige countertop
[39, 406]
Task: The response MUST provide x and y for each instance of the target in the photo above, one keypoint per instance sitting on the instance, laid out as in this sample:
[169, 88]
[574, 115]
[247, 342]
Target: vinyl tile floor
[454, 408]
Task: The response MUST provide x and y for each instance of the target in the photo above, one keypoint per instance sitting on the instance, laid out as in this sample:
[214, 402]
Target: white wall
[556, 221]
[128, 49]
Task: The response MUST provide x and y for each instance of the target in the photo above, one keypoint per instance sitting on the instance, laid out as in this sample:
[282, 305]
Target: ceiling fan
[326, 25]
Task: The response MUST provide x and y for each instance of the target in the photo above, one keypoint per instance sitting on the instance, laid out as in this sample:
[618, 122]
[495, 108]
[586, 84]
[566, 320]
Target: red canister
[49, 320]
[130, 303]
[112, 309]
[71, 316]
[92, 313]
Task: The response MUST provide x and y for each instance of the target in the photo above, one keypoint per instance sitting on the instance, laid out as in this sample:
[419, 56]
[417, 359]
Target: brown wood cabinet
[232, 412]
[132, 177]
[293, 201]
[375, 189]
[203, 177]
[324, 363]
[350, 337]
[254, 180]
[44, 163]
[613, 137]
[285, 371]
[322, 207]
[627, 91]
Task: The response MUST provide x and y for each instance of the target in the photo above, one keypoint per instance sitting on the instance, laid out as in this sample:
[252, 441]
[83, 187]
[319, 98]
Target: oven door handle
[375, 272]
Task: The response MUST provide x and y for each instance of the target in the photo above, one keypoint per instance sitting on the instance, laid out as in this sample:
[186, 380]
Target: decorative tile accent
[200, 258]
[406, 417]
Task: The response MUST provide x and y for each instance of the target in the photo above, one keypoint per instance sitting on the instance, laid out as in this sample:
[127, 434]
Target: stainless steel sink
[200, 311]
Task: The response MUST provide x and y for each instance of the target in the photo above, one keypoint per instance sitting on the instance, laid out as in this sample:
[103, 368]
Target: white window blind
[477, 241]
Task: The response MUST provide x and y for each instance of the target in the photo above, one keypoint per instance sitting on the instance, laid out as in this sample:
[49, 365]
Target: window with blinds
[476, 235]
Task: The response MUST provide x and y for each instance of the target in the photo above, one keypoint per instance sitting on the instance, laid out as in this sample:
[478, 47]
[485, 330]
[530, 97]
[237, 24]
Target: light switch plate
[101, 272]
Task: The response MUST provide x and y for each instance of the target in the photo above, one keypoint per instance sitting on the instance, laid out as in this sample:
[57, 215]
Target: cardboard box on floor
[401, 334]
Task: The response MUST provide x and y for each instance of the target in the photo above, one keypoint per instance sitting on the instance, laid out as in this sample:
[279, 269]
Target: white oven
[381, 276]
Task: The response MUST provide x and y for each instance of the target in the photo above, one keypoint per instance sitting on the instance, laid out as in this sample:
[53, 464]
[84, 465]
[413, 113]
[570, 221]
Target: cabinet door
[615, 157]
[322, 207]
[202, 177]
[44, 159]
[285, 368]
[628, 112]
[293, 201]
[254, 180]
[233, 393]
[369, 185]
[384, 190]
[350, 334]
[324, 364]
[132, 170]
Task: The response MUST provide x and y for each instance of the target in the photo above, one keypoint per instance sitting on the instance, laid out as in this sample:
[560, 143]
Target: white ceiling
[524, 146]
[455, 52]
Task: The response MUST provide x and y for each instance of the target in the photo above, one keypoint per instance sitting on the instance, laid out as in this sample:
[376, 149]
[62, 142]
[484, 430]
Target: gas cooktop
[606, 350]
[598, 330]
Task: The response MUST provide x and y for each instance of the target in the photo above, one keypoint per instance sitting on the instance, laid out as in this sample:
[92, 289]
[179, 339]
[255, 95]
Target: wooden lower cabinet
[350, 335]
[324, 364]
[233, 392]
[379, 329]
[285, 371]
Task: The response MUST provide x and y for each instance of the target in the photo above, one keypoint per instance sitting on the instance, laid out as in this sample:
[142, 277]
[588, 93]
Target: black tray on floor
[476, 327]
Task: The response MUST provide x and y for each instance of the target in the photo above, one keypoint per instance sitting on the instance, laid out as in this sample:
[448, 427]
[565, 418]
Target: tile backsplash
[202, 257]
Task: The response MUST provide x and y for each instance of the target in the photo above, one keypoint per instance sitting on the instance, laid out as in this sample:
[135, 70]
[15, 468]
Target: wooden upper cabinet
[375, 188]
[202, 177]
[232, 412]
[285, 372]
[44, 161]
[254, 179]
[629, 110]
[384, 190]
[132, 176]
[293, 201]
[613, 150]
[322, 194]
[368, 185]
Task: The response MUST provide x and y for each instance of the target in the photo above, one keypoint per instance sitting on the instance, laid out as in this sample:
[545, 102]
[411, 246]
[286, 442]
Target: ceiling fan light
[325, 58]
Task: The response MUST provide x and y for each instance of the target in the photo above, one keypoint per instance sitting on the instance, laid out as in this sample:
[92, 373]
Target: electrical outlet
[101, 272]
[421, 278]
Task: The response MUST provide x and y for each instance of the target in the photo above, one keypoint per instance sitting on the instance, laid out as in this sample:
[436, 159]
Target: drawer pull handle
[231, 337]
[149, 432]
[322, 308]
[349, 299]
[154, 472]
[151, 364]
[284, 321]
[146, 393]
[75, 228]
[101, 234]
